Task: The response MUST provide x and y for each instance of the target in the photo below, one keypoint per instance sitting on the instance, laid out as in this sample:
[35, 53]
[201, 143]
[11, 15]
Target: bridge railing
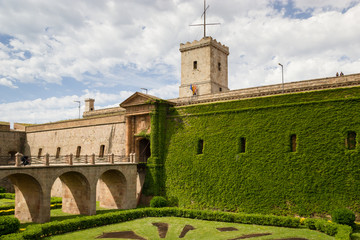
[70, 159]
[7, 160]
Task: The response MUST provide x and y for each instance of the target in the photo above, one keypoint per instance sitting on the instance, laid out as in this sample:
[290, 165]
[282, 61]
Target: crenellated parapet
[204, 42]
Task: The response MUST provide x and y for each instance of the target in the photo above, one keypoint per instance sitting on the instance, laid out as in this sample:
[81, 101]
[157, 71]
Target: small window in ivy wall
[293, 143]
[242, 145]
[200, 148]
[351, 140]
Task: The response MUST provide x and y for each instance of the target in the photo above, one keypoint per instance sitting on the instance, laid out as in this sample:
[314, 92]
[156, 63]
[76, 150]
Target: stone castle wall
[89, 134]
[11, 142]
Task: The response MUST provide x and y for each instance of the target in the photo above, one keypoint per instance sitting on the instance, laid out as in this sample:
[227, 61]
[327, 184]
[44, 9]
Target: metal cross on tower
[205, 24]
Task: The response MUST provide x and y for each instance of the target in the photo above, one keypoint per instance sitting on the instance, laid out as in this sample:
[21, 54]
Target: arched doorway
[144, 150]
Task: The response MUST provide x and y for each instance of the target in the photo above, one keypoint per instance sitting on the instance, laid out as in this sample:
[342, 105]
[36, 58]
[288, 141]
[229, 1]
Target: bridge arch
[76, 193]
[29, 197]
[112, 189]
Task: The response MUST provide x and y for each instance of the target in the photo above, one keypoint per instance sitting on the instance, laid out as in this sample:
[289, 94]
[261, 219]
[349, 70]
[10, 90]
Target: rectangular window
[293, 143]
[219, 66]
[351, 140]
[78, 151]
[58, 152]
[242, 145]
[102, 151]
[200, 148]
[39, 152]
[195, 64]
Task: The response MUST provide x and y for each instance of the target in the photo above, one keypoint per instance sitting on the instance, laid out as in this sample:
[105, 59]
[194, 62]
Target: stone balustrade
[71, 159]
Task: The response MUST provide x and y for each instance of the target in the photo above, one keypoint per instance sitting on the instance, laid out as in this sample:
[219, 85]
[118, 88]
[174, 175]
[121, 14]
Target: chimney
[89, 105]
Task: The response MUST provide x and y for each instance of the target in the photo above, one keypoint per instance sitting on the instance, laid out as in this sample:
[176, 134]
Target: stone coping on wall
[85, 122]
[104, 111]
[276, 89]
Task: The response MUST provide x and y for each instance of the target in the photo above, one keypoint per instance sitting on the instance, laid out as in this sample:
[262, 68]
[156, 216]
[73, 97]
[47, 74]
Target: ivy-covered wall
[154, 181]
[321, 175]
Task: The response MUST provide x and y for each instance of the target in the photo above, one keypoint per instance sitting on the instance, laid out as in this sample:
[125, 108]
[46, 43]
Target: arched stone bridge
[116, 186]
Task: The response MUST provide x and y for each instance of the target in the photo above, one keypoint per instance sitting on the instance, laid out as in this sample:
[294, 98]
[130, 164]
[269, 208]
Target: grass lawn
[203, 230]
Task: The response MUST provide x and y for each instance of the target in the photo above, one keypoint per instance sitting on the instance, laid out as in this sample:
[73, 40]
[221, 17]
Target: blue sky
[53, 53]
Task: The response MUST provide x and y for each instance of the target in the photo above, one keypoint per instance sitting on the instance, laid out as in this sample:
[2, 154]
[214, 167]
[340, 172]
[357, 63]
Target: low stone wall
[105, 111]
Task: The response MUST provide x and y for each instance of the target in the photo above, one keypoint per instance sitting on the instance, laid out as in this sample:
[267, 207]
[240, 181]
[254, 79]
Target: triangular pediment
[138, 99]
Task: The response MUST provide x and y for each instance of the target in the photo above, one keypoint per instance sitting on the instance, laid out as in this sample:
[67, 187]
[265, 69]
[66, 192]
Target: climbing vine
[267, 177]
[155, 176]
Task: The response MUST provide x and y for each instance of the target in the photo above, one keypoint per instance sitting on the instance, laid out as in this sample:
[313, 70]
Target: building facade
[186, 141]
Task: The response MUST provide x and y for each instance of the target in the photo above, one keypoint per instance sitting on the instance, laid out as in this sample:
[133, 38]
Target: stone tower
[204, 65]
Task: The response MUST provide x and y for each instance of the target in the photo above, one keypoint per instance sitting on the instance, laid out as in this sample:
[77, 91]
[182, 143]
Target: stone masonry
[117, 186]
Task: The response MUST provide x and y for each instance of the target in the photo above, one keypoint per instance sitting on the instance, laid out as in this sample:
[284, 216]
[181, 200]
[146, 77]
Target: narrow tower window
[242, 145]
[219, 66]
[78, 151]
[351, 140]
[58, 152]
[195, 64]
[293, 143]
[102, 150]
[200, 149]
[39, 152]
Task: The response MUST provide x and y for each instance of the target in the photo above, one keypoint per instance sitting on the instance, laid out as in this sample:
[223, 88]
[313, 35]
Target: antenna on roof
[204, 24]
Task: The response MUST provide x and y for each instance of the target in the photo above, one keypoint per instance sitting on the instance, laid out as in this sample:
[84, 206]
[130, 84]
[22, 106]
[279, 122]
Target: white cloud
[7, 83]
[57, 108]
[134, 44]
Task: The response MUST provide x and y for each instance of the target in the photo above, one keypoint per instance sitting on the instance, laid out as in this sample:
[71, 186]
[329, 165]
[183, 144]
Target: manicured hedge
[320, 176]
[8, 225]
[341, 232]
[7, 195]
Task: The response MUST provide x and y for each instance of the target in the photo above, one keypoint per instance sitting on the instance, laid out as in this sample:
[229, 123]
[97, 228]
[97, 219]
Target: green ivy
[321, 175]
[155, 178]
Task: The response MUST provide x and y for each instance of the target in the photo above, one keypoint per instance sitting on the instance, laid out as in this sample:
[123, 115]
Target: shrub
[173, 201]
[310, 223]
[2, 190]
[326, 227]
[343, 216]
[341, 232]
[7, 195]
[158, 202]
[9, 225]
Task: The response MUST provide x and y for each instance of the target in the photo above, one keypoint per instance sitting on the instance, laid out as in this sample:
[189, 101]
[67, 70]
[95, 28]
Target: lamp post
[282, 76]
[79, 106]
